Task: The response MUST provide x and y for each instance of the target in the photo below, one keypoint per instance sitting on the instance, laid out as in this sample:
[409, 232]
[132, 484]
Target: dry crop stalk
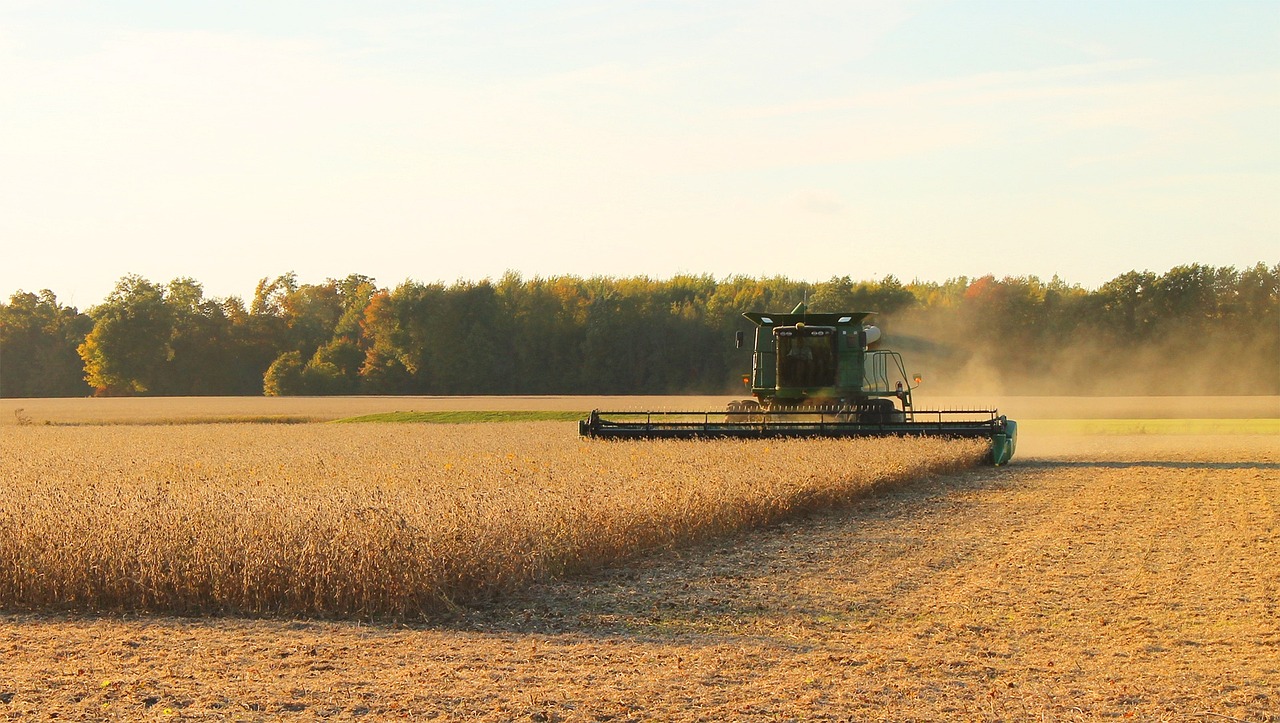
[385, 520]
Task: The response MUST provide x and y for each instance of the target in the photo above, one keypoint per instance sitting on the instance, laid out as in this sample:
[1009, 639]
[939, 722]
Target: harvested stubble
[381, 520]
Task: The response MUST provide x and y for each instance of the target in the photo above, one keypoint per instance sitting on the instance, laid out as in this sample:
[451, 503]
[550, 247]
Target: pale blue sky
[457, 140]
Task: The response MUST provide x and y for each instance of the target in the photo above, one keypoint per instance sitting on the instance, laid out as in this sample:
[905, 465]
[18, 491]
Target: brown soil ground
[1095, 578]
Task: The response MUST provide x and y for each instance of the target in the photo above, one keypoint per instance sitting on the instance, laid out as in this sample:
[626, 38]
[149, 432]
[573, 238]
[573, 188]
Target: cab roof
[801, 314]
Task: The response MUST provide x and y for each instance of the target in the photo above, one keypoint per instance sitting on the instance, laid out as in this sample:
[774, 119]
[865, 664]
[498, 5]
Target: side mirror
[737, 338]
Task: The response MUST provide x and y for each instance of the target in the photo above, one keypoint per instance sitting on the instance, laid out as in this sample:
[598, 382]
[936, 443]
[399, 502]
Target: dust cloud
[1172, 365]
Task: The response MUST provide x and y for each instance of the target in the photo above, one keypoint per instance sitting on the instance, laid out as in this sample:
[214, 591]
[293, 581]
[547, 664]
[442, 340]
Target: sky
[445, 141]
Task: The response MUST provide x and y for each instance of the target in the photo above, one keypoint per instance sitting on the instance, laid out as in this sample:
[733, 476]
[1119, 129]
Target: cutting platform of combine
[816, 375]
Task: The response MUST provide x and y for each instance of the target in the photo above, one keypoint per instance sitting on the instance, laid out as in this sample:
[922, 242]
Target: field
[1129, 571]
[134, 410]
[385, 521]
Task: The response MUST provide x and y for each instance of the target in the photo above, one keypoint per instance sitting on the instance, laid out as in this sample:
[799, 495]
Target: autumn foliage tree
[1193, 329]
[130, 339]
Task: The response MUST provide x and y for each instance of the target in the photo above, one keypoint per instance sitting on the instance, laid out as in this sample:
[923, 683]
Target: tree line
[1193, 330]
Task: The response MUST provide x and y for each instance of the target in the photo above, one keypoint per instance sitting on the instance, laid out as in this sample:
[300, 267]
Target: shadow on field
[1159, 464]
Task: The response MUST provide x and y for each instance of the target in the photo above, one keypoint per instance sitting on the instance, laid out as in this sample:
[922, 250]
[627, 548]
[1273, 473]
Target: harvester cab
[803, 361]
[816, 375]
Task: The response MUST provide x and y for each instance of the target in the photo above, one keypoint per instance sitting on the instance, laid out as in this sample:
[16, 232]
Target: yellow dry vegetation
[165, 410]
[1098, 577]
[385, 520]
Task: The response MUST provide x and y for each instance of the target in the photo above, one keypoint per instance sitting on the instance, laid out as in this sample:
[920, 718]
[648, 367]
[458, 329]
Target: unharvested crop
[385, 520]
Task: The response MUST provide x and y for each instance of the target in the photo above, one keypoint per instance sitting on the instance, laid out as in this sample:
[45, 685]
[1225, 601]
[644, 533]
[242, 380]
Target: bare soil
[1095, 578]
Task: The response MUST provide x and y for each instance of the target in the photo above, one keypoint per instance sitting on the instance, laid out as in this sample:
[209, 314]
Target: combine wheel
[880, 411]
[746, 410]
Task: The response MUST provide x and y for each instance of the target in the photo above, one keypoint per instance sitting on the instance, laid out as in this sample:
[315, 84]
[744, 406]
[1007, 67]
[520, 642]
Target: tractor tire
[879, 411]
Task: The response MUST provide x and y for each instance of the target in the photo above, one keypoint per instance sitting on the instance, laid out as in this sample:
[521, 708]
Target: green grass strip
[1149, 426]
[461, 417]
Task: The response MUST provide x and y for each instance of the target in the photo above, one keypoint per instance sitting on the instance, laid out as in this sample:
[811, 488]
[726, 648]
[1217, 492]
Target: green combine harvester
[816, 375]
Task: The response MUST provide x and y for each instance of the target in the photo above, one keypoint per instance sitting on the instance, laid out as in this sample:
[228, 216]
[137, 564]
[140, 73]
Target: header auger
[816, 375]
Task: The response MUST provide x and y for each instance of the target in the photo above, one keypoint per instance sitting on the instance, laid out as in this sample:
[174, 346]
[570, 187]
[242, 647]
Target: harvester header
[816, 375]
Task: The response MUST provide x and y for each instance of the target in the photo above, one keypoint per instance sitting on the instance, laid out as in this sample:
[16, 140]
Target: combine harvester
[816, 375]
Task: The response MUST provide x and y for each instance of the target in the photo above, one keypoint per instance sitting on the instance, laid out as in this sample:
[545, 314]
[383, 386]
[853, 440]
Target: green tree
[1126, 306]
[252, 343]
[323, 323]
[284, 377]
[38, 340]
[639, 335]
[384, 369]
[202, 344]
[466, 345]
[334, 369]
[129, 343]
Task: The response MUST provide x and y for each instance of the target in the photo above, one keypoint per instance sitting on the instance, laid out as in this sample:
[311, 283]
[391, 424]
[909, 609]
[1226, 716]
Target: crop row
[385, 520]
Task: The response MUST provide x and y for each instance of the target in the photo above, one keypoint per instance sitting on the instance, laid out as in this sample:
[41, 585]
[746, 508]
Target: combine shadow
[1158, 464]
